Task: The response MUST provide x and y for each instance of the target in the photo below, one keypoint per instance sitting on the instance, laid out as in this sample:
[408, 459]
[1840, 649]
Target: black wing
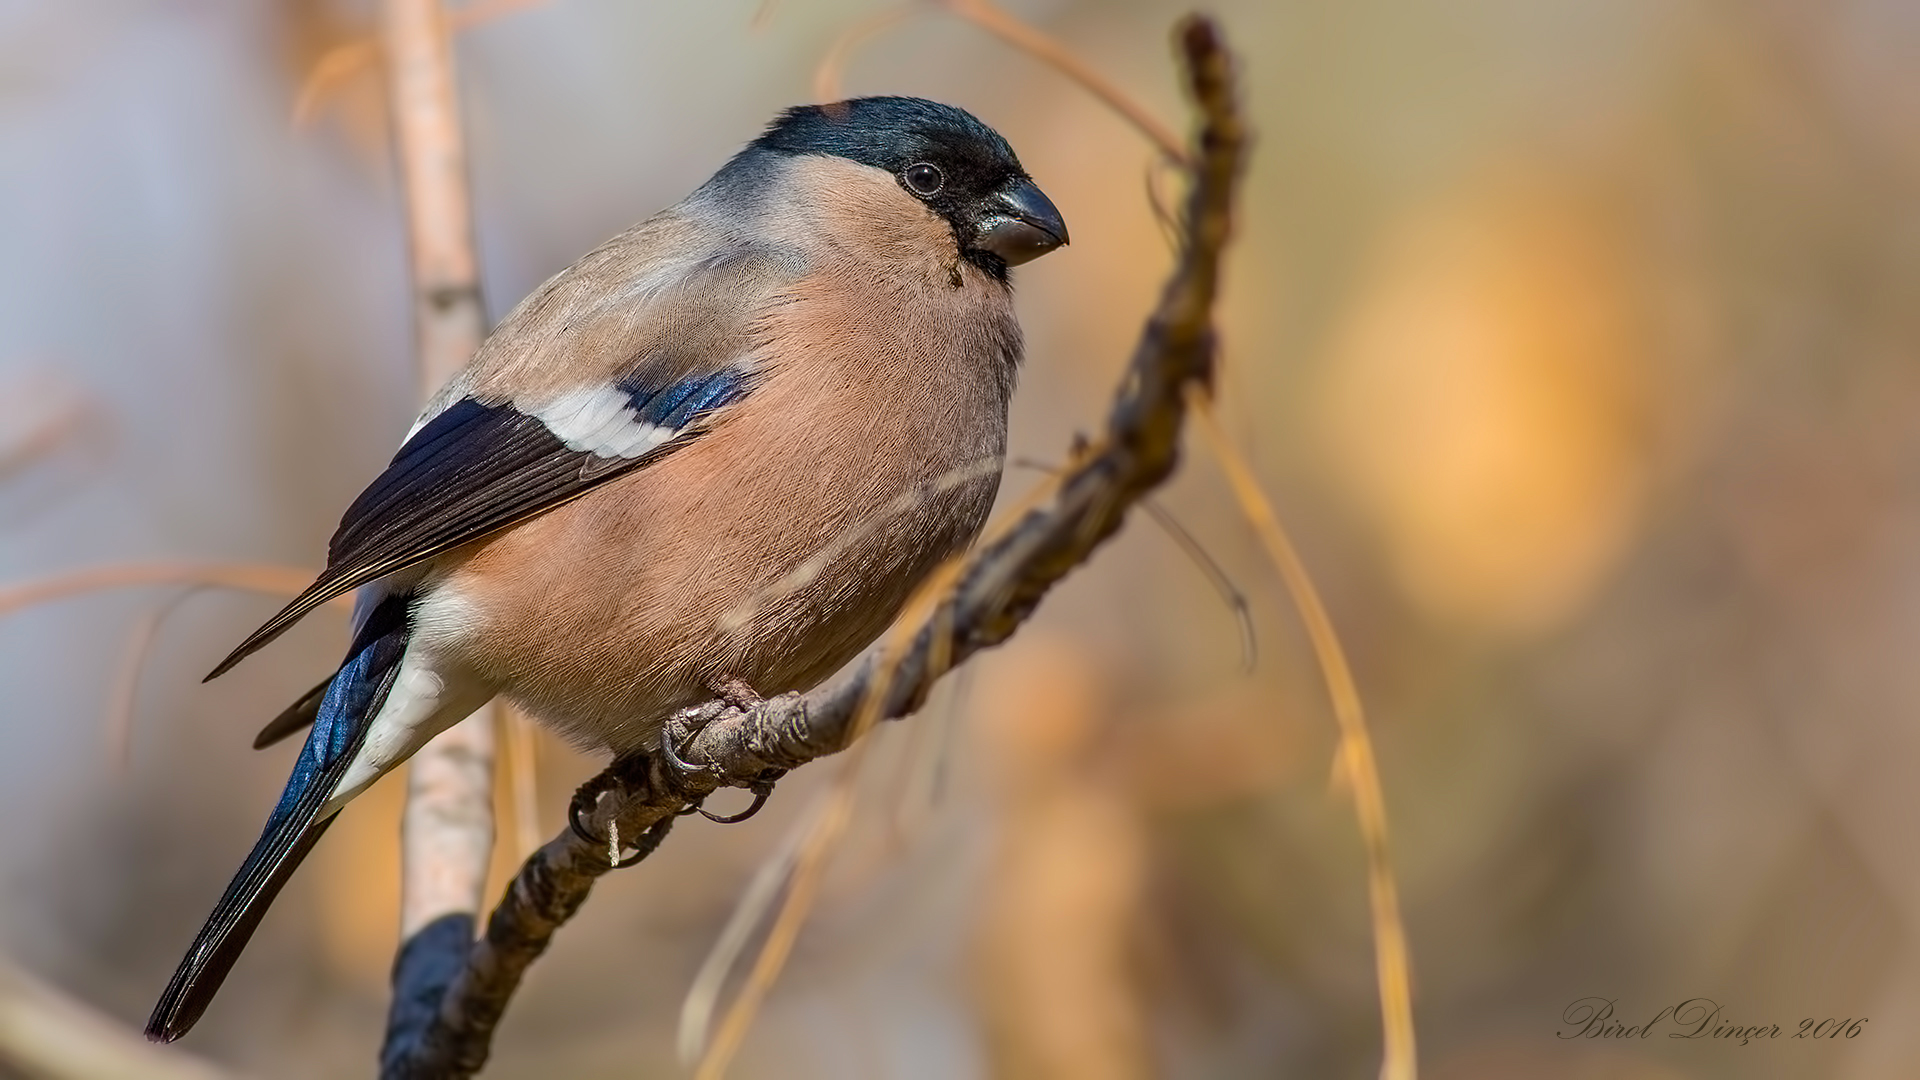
[476, 468]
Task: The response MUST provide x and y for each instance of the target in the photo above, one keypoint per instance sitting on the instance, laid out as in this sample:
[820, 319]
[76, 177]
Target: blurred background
[1576, 339]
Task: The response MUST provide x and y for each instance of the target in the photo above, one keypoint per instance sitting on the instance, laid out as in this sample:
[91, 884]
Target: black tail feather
[294, 718]
[341, 715]
[232, 923]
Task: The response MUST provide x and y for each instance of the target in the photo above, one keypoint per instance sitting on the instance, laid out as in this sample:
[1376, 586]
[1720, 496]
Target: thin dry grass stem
[917, 783]
[44, 433]
[1223, 584]
[803, 882]
[334, 67]
[520, 760]
[802, 886]
[346, 60]
[124, 689]
[1161, 202]
[1028, 39]
[831, 824]
[247, 577]
[1016, 32]
[703, 995]
[123, 698]
[1216, 575]
[827, 77]
[1399, 1057]
[929, 788]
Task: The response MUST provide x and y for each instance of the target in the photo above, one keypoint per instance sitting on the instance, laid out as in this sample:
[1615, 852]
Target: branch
[998, 586]
[447, 828]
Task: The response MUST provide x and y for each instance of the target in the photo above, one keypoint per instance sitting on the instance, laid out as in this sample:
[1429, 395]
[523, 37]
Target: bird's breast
[777, 545]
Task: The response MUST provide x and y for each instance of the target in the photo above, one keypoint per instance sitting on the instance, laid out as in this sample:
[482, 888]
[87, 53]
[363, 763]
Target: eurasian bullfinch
[620, 506]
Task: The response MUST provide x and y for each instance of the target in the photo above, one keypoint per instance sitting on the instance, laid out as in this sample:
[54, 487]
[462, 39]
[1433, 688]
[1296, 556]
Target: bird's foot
[683, 726]
[680, 729]
[587, 798]
[736, 693]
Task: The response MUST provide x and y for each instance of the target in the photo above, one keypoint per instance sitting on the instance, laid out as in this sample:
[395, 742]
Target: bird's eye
[924, 179]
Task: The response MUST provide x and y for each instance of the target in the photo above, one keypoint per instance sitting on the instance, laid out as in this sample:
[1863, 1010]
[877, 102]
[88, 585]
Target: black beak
[1021, 224]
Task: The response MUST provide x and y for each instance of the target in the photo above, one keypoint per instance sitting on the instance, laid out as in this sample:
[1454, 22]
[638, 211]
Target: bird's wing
[615, 362]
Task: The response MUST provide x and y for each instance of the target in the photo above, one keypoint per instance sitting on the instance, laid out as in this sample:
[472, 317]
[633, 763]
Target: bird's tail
[352, 699]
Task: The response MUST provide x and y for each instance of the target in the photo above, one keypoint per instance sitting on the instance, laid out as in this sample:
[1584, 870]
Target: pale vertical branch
[447, 835]
[433, 168]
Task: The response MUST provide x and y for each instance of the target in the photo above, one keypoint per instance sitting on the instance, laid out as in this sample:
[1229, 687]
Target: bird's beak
[1021, 224]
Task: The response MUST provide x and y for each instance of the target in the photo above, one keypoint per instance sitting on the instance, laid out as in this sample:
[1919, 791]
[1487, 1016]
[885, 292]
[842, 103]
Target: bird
[715, 455]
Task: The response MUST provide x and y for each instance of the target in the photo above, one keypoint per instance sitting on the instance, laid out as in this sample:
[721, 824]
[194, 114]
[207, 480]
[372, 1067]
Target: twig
[990, 17]
[997, 587]
[833, 65]
[47, 1034]
[1223, 586]
[447, 829]
[1017, 33]
[124, 699]
[248, 577]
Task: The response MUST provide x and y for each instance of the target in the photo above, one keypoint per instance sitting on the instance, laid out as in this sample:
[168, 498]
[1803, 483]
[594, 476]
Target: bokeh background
[1577, 340]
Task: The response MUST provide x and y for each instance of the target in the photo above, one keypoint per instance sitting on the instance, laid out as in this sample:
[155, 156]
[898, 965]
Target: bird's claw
[684, 725]
[585, 799]
[583, 804]
[680, 729]
[762, 790]
[574, 812]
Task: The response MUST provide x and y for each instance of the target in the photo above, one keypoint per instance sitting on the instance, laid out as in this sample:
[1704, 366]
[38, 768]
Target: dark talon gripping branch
[1000, 584]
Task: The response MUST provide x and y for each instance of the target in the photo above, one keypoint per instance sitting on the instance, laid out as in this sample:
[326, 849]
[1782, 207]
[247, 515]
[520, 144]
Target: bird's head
[958, 167]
